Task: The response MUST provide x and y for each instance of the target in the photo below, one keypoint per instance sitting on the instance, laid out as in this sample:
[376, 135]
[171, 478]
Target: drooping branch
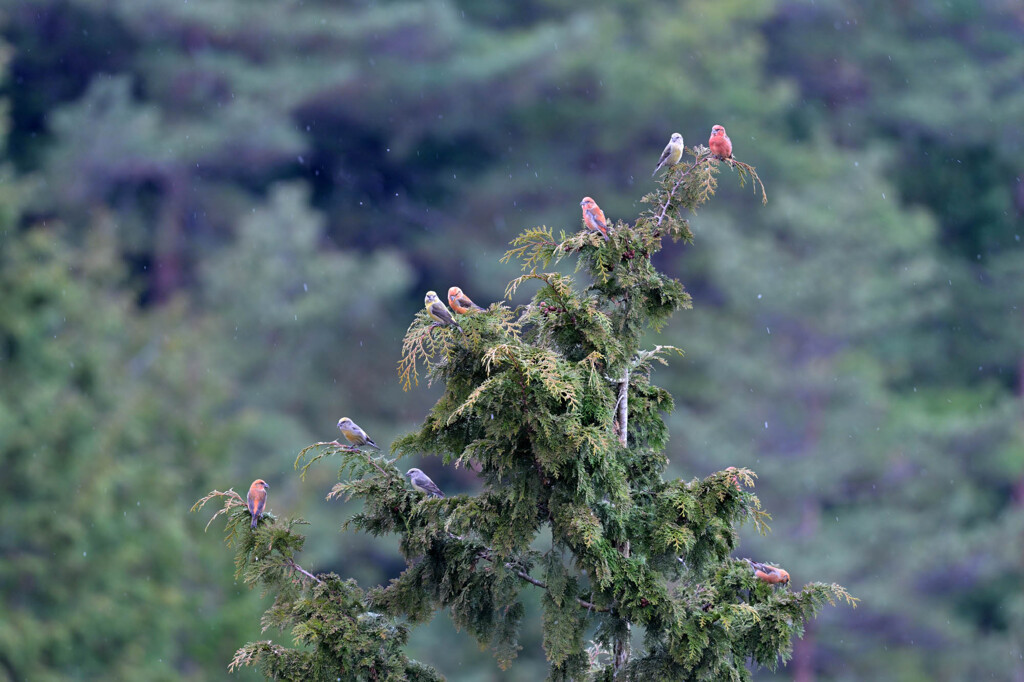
[336, 447]
[233, 500]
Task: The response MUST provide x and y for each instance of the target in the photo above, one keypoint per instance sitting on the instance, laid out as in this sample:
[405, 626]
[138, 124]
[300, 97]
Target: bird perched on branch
[438, 311]
[719, 143]
[355, 435]
[672, 153]
[593, 217]
[461, 303]
[421, 482]
[768, 573]
[256, 500]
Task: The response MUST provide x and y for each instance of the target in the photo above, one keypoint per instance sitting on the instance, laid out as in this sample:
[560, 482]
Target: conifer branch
[534, 246]
[234, 500]
[682, 176]
[487, 554]
[338, 447]
[744, 170]
[418, 344]
[543, 585]
[290, 563]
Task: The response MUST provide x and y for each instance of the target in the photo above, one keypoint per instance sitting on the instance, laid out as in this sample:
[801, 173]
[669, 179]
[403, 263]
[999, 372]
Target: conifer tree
[553, 405]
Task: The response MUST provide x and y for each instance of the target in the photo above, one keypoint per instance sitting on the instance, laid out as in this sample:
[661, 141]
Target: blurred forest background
[218, 217]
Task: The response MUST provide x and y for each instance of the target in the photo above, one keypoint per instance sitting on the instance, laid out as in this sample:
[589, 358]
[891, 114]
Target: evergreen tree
[101, 433]
[553, 405]
[105, 424]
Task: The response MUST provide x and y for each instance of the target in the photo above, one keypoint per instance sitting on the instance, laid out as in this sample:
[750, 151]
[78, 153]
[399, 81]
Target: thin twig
[682, 176]
[234, 499]
[295, 567]
[487, 555]
[374, 464]
[339, 447]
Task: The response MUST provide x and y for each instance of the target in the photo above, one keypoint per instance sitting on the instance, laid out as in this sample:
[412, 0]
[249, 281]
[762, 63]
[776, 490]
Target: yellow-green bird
[673, 152]
[355, 435]
[438, 311]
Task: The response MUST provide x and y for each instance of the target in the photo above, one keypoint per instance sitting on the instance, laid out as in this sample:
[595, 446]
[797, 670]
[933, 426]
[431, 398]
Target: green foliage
[532, 403]
[337, 636]
[97, 568]
[857, 341]
[552, 405]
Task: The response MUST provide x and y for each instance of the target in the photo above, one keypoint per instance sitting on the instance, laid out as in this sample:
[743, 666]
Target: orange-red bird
[719, 143]
[461, 303]
[593, 217]
[256, 500]
[768, 573]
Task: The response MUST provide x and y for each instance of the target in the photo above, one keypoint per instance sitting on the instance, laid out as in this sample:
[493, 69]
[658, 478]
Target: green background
[218, 218]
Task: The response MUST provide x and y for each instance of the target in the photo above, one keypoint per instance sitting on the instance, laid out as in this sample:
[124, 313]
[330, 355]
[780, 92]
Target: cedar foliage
[552, 404]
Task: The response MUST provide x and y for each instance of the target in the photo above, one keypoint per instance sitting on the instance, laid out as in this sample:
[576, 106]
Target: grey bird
[421, 482]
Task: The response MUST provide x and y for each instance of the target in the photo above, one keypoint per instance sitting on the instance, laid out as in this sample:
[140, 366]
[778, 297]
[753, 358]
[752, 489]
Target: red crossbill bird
[719, 143]
[421, 482]
[256, 500]
[593, 217]
[768, 573]
[461, 303]
[672, 153]
[355, 435]
[438, 311]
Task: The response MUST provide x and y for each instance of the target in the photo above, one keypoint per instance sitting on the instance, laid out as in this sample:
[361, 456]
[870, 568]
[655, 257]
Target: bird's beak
[265, 484]
[582, 202]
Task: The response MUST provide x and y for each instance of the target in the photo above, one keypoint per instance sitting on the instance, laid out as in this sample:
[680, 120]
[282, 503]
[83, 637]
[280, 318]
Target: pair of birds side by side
[357, 437]
[460, 303]
[719, 143]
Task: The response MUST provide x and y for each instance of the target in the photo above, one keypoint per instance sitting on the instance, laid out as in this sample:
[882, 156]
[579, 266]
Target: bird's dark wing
[466, 303]
[440, 311]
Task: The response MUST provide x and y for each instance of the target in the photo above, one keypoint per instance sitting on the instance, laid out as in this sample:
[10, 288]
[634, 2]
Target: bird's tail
[254, 520]
[372, 444]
